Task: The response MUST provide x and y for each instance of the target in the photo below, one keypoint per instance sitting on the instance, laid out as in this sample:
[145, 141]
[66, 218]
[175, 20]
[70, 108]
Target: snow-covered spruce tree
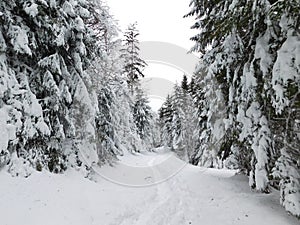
[142, 115]
[22, 122]
[197, 95]
[12, 93]
[134, 65]
[117, 125]
[183, 121]
[190, 122]
[178, 122]
[232, 69]
[107, 142]
[166, 116]
[286, 101]
[155, 134]
[201, 154]
[209, 134]
[69, 47]
[46, 47]
[128, 131]
[99, 125]
[27, 33]
[247, 39]
[184, 84]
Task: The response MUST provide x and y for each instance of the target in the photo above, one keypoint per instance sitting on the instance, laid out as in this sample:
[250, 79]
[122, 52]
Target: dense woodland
[241, 108]
[70, 90]
[69, 84]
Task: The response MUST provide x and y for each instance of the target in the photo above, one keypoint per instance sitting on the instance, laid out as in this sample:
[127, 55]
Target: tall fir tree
[142, 115]
[134, 65]
[166, 117]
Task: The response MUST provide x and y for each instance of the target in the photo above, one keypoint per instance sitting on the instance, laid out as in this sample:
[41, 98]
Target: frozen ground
[127, 194]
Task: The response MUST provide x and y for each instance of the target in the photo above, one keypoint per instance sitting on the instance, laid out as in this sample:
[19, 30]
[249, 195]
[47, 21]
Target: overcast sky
[158, 20]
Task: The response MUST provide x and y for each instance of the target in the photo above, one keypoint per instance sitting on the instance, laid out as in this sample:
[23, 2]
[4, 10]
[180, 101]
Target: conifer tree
[134, 65]
[166, 117]
[142, 115]
[249, 55]
[60, 72]
[184, 83]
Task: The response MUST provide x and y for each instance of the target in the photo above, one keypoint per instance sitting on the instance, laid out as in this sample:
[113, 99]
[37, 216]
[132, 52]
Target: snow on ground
[142, 189]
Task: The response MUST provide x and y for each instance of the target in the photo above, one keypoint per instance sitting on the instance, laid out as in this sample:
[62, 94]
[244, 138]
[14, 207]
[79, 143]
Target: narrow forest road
[203, 196]
[184, 195]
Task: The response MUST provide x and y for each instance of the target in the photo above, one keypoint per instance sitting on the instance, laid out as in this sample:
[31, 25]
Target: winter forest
[72, 107]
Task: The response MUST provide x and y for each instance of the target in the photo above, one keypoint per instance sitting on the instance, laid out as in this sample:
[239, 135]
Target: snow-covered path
[191, 196]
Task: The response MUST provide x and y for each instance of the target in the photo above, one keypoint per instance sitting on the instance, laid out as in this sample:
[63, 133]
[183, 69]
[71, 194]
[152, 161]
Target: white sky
[158, 20]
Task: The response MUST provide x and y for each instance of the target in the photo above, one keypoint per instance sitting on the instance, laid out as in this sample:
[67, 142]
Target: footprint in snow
[149, 179]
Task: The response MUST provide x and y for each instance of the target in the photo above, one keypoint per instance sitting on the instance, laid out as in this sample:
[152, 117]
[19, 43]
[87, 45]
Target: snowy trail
[169, 207]
[206, 196]
[192, 196]
[163, 208]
